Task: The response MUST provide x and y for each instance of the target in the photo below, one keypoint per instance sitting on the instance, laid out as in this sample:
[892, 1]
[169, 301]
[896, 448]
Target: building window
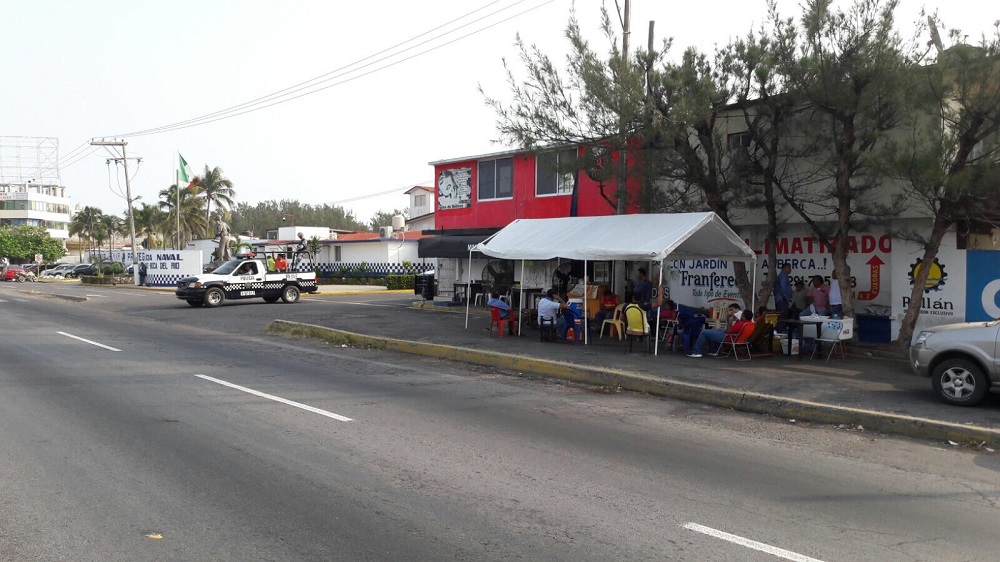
[738, 141]
[336, 254]
[554, 172]
[420, 201]
[496, 179]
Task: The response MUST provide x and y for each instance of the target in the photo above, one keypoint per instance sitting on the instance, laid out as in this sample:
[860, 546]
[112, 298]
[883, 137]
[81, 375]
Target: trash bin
[424, 286]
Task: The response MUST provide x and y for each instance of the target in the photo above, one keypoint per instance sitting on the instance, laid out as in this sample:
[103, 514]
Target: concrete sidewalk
[877, 393]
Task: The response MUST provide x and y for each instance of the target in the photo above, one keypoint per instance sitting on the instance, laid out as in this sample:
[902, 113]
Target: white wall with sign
[163, 267]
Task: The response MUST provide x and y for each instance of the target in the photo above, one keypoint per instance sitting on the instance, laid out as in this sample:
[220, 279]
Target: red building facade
[492, 190]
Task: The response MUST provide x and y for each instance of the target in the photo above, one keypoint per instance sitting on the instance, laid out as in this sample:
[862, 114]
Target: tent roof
[619, 237]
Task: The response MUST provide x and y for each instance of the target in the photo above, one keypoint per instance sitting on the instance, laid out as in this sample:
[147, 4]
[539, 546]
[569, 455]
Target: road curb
[737, 399]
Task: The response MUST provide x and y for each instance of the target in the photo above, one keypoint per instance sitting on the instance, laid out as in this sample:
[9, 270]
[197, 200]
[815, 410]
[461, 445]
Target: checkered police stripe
[350, 269]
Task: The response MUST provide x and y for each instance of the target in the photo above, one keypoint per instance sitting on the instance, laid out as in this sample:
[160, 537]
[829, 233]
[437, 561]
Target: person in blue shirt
[504, 310]
[783, 288]
[643, 293]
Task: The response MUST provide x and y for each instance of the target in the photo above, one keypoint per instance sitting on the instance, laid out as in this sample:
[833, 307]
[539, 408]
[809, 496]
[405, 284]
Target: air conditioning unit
[385, 232]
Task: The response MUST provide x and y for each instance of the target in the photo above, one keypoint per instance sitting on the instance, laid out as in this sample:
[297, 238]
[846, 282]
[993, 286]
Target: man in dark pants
[142, 274]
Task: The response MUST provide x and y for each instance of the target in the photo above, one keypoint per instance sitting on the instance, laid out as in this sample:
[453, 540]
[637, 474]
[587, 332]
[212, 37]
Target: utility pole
[128, 194]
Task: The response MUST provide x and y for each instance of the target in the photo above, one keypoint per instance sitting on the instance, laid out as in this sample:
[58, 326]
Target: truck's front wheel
[290, 294]
[214, 297]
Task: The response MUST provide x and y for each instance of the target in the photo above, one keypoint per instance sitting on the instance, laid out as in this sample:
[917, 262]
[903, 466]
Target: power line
[371, 195]
[252, 107]
[322, 77]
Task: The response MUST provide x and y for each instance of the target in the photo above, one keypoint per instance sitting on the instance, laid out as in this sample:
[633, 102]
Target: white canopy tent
[648, 237]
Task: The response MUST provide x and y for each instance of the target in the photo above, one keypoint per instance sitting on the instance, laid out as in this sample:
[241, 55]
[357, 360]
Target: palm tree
[84, 224]
[217, 189]
[110, 226]
[150, 221]
[192, 221]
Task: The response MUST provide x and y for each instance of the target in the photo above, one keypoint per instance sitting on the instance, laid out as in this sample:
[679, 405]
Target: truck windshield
[227, 268]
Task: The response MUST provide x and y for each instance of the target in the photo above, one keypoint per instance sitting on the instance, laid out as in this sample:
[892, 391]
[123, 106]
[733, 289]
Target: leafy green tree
[950, 160]
[267, 215]
[110, 226]
[193, 221]
[84, 224]
[21, 243]
[217, 189]
[384, 218]
[151, 224]
[848, 67]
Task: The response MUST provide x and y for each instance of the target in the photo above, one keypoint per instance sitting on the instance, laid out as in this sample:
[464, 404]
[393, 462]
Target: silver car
[961, 359]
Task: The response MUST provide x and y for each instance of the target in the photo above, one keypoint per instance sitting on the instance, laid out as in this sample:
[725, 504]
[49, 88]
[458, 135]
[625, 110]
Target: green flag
[183, 172]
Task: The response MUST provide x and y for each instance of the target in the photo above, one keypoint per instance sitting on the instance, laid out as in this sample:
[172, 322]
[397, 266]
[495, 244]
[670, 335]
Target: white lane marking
[102, 296]
[88, 341]
[1, 300]
[772, 550]
[365, 304]
[277, 399]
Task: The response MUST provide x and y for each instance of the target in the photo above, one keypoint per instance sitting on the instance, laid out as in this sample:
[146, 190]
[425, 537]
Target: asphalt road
[132, 416]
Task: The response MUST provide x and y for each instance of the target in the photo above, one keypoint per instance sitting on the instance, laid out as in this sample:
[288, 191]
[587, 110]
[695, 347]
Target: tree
[109, 227]
[267, 215]
[215, 188]
[848, 68]
[84, 224]
[384, 218]
[21, 243]
[193, 221]
[950, 162]
[150, 223]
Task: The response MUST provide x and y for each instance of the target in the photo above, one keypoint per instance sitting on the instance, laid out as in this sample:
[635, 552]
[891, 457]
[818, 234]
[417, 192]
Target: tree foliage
[20, 244]
[267, 215]
[384, 218]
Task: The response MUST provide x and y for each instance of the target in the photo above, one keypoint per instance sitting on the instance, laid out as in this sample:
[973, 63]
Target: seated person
[280, 263]
[495, 302]
[818, 297]
[635, 315]
[714, 337]
[607, 307]
[249, 268]
[550, 311]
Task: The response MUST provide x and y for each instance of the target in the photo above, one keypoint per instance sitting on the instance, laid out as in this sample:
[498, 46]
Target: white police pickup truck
[245, 278]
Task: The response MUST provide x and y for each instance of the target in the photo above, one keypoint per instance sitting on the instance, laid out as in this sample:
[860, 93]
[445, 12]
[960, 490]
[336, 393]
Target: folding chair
[616, 322]
[734, 342]
[499, 322]
[831, 335]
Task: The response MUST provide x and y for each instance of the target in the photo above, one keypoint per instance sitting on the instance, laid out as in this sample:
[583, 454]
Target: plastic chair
[479, 300]
[547, 329]
[831, 335]
[616, 322]
[499, 322]
[734, 342]
[636, 327]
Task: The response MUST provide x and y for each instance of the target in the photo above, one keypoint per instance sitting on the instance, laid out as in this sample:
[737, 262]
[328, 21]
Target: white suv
[961, 359]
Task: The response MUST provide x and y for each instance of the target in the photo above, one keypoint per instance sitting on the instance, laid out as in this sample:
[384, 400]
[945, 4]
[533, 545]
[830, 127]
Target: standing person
[714, 337]
[301, 247]
[495, 302]
[836, 301]
[819, 297]
[783, 288]
[142, 274]
[280, 263]
[643, 293]
[5, 263]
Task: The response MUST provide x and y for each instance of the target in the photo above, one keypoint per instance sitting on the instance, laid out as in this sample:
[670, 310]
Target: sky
[77, 71]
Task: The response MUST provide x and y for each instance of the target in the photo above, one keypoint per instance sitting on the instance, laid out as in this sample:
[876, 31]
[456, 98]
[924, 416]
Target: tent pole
[753, 289]
[520, 302]
[468, 290]
[583, 321]
[656, 333]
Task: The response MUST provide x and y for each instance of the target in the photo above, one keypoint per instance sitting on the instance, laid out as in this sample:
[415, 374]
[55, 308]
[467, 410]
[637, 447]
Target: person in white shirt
[836, 302]
[550, 310]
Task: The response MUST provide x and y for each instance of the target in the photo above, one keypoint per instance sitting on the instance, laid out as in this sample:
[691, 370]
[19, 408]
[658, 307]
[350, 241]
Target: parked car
[58, 271]
[83, 269]
[962, 360]
[12, 271]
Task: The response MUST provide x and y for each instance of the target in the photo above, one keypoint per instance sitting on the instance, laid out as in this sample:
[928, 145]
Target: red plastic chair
[499, 322]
